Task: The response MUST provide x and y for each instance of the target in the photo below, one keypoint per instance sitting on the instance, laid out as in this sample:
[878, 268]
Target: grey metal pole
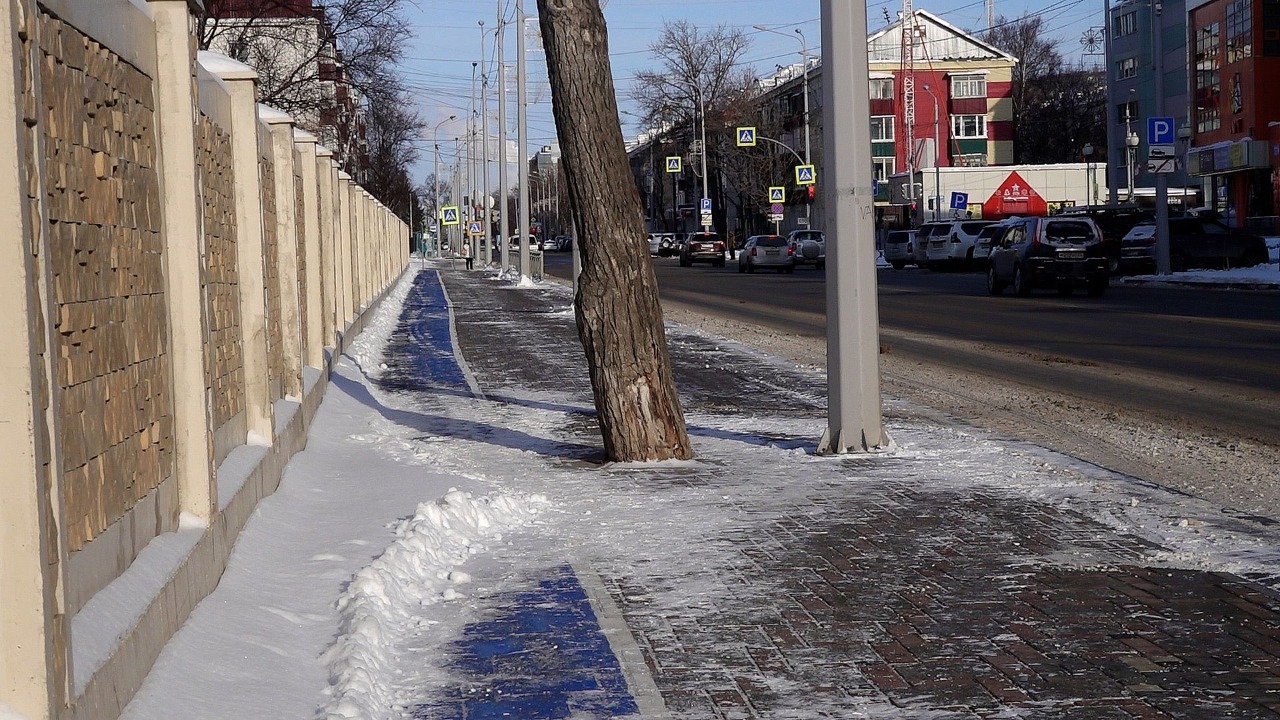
[937, 157]
[522, 142]
[1164, 263]
[1113, 167]
[702, 113]
[484, 154]
[808, 158]
[504, 189]
[854, 418]
[471, 149]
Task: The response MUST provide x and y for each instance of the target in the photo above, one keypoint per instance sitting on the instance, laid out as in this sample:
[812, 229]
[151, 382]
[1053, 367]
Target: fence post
[241, 80]
[342, 254]
[313, 333]
[326, 182]
[286, 246]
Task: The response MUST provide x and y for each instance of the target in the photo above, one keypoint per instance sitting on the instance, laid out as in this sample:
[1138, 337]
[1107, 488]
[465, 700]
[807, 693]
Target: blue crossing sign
[746, 137]
[777, 194]
[449, 215]
[474, 229]
[673, 164]
[805, 175]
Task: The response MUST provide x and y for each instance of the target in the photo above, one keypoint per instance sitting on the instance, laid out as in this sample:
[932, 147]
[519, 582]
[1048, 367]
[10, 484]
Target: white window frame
[1126, 68]
[885, 137]
[968, 86]
[880, 84]
[977, 127]
[1126, 24]
[883, 167]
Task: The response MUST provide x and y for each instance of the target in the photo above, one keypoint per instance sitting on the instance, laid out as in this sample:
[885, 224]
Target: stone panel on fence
[224, 360]
[271, 252]
[102, 195]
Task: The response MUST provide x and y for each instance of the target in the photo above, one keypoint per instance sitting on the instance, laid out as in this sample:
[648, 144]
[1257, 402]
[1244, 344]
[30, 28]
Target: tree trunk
[619, 318]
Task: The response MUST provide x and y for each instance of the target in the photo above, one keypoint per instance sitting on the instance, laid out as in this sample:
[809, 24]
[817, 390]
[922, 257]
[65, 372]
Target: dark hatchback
[1113, 221]
[702, 247]
[1194, 242]
[1056, 252]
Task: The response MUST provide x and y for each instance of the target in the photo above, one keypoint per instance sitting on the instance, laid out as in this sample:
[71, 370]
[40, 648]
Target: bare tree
[392, 129]
[618, 315]
[1026, 39]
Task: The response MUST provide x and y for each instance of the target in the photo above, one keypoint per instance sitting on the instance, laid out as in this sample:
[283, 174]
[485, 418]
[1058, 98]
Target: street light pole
[435, 141]
[522, 133]
[504, 188]
[804, 56]
[484, 155]
[937, 157]
[702, 113]
[1091, 192]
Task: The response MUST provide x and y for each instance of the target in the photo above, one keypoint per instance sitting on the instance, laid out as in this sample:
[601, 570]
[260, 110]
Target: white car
[955, 244]
[809, 247]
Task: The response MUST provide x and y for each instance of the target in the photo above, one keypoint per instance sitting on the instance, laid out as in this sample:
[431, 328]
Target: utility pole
[522, 141]
[486, 224]
[1163, 260]
[855, 422]
[503, 188]
[937, 157]
[702, 113]
[1113, 191]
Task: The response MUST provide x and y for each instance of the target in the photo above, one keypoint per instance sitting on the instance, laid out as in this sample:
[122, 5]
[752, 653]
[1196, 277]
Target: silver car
[767, 251]
[899, 248]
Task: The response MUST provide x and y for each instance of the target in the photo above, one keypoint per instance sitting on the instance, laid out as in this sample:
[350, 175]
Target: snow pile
[419, 568]
[367, 347]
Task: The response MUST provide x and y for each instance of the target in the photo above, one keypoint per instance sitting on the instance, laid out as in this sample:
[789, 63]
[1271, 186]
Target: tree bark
[618, 315]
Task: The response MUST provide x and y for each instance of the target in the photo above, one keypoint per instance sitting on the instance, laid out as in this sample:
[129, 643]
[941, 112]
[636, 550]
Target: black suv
[1194, 242]
[1114, 222]
[1059, 252]
[702, 247]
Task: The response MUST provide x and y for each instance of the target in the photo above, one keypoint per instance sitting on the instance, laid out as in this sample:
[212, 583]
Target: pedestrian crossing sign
[804, 175]
[449, 215]
[673, 164]
[474, 229]
[777, 194]
[746, 137]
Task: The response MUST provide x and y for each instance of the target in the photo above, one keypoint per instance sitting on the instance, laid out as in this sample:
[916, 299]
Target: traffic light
[810, 193]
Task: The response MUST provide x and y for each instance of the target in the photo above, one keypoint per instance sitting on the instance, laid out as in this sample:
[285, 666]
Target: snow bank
[419, 568]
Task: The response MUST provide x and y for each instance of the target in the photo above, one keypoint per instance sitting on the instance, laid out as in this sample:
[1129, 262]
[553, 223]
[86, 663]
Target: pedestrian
[466, 253]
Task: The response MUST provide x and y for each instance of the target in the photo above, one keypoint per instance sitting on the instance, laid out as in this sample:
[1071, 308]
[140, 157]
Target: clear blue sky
[438, 63]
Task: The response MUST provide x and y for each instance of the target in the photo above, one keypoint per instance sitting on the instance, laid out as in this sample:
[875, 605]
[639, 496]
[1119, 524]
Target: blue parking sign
[959, 200]
[1160, 131]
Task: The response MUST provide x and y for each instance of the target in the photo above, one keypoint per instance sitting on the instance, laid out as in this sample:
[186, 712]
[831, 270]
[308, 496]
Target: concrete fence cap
[302, 136]
[272, 116]
[225, 67]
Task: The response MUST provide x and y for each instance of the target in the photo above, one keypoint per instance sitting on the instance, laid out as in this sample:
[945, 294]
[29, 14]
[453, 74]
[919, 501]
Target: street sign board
[777, 194]
[473, 229]
[746, 137]
[1162, 165]
[1160, 151]
[673, 163]
[803, 222]
[775, 217]
[706, 205]
[805, 175]
[776, 208]
[706, 218]
[959, 200]
[1160, 131]
[449, 215]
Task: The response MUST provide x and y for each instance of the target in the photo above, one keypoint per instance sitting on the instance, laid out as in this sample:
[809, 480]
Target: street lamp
[937, 157]
[1091, 192]
[804, 55]
[1131, 148]
[435, 142]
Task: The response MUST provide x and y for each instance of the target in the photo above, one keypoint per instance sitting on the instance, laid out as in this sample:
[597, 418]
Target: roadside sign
[1160, 151]
[473, 229]
[706, 218]
[449, 215]
[802, 221]
[777, 194]
[746, 137]
[1160, 131]
[673, 163]
[959, 200]
[1162, 165]
[804, 175]
[706, 205]
[775, 217]
[776, 208]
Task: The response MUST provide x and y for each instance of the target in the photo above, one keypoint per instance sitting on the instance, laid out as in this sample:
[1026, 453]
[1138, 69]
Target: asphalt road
[1213, 355]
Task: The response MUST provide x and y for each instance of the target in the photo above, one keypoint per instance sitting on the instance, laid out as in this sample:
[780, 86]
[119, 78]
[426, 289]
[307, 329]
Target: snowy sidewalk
[958, 576]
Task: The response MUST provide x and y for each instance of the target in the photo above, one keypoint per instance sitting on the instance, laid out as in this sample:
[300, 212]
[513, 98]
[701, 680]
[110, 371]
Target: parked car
[982, 244]
[920, 249]
[564, 243]
[1194, 242]
[662, 244]
[534, 242]
[1059, 252]
[809, 247]
[702, 247]
[899, 248]
[767, 251]
[1114, 221]
[954, 244]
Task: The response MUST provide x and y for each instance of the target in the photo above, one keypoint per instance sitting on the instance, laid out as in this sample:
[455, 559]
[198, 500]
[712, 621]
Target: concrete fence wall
[181, 267]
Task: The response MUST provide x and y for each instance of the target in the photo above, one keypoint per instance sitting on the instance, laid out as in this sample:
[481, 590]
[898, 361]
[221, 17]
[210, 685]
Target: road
[1177, 353]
